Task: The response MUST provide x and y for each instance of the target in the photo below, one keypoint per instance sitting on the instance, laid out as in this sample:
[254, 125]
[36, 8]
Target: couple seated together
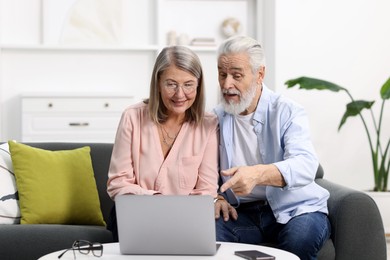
[253, 154]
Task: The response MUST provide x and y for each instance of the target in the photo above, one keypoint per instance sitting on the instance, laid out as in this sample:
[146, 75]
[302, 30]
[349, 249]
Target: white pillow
[9, 200]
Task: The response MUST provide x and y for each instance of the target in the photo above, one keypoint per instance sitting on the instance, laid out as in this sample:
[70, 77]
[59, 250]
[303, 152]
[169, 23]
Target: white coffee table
[225, 251]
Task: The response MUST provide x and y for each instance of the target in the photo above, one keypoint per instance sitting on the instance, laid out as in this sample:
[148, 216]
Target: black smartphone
[254, 255]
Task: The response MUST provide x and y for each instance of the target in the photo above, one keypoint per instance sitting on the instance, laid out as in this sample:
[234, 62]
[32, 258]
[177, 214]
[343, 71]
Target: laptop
[166, 225]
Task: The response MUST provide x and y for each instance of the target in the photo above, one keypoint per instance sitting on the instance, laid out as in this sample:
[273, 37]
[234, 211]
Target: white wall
[346, 42]
[32, 61]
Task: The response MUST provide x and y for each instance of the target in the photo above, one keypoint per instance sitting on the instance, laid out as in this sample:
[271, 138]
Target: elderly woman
[167, 144]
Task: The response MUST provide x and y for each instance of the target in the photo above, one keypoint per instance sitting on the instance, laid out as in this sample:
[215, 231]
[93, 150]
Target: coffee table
[225, 251]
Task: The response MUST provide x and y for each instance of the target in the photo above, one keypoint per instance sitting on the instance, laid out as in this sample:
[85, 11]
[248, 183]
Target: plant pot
[382, 200]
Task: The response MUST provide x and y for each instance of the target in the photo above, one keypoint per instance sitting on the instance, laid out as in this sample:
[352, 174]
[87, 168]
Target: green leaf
[354, 108]
[312, 83]
[383, 171]
[380, 160]
[385, 90]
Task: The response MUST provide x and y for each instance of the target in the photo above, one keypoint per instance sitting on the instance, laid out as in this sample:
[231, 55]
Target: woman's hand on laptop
[221, 205]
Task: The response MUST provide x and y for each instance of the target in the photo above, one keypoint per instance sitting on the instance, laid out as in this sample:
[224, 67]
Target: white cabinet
[71, 118]
[42, 51]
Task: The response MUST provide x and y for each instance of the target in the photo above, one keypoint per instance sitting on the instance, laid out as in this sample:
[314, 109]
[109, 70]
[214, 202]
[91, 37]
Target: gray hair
[244, 44]
[186, 60]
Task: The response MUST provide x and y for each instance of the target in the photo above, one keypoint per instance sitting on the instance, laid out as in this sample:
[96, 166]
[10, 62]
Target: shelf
[40, 47]
[74, 94]
[146, 48]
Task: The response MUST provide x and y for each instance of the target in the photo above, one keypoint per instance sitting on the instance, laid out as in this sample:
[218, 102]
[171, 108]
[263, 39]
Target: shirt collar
[262, 105]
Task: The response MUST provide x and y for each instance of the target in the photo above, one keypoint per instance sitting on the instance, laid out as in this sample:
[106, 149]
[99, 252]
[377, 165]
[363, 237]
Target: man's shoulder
[276, 106]
[219, 111]
[279, 101]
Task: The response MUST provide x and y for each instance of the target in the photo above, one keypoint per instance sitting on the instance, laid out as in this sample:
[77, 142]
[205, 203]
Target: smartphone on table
[254, 255]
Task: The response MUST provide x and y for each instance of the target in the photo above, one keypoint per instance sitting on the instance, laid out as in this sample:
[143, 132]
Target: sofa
[31, 241]
[357, 228]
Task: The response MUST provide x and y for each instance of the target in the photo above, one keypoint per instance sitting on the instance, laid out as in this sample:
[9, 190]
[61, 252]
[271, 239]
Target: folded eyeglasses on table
[85, 247]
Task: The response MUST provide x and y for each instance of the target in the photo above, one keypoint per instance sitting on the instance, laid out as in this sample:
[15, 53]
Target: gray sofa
[19, 242]
[357, 229]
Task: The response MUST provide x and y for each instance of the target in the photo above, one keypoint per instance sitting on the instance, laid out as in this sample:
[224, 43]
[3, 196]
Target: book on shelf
[203, 42]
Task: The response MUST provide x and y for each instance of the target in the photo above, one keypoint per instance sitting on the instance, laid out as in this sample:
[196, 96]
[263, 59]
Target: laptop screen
[166, 224]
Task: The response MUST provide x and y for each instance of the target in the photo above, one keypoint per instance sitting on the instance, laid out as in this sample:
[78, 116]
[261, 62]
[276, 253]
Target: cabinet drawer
[75, 104]
[92, 128]
[42, 123]
[75, 118]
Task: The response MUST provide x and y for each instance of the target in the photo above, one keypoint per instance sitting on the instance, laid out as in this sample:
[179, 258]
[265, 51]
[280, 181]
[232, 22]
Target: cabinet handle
[79, 124]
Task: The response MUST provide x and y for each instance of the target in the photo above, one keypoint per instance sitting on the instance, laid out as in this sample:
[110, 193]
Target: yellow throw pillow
[56, 187]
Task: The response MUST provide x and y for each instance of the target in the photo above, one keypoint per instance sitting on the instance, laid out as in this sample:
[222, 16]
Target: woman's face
[178, 90]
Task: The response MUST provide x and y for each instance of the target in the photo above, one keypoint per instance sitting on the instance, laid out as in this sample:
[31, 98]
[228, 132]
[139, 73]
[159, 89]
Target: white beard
[245, 100]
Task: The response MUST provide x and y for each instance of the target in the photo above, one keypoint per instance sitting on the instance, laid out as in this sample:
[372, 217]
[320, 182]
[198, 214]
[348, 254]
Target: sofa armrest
[357, 228]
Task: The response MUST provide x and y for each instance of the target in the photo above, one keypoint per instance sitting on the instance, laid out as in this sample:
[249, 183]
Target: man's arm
[245, 178]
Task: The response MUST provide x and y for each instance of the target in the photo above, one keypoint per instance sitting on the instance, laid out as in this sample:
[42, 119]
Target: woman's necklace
[165, 140]
[172, 138]
[169, 145]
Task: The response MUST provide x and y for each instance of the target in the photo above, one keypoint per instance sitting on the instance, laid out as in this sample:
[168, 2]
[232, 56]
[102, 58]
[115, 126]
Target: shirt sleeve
[300, 163]
[207, 183]
[121, 177]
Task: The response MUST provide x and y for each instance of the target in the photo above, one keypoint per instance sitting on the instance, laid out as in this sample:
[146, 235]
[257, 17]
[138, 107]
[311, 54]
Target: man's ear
[260, 74]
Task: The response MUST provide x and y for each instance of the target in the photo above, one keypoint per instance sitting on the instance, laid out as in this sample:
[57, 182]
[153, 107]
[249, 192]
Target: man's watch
[219, 197]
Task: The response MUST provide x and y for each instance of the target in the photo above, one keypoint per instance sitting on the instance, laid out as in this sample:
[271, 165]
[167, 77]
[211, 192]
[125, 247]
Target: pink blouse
[138, 165]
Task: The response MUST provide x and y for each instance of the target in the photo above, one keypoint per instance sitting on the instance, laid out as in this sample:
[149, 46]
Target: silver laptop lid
[166, 224]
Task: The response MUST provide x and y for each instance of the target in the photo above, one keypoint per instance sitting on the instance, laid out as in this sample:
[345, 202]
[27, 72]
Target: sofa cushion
[56, 187]
[27, 242]
[9, 202]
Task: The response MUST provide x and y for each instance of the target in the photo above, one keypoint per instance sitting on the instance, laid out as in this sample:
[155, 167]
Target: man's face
[237, 81]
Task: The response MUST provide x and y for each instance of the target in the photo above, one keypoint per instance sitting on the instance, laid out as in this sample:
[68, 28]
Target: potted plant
[380, 153]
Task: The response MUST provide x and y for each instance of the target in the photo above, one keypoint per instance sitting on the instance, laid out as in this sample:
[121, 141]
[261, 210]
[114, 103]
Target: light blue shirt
[283, 136]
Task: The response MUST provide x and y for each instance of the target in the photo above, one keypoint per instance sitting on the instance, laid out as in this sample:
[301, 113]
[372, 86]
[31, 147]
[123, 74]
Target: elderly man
[268, 163]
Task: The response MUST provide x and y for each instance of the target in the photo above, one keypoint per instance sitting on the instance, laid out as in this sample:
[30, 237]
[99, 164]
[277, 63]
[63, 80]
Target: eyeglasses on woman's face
[172, 86]
[84, 247]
